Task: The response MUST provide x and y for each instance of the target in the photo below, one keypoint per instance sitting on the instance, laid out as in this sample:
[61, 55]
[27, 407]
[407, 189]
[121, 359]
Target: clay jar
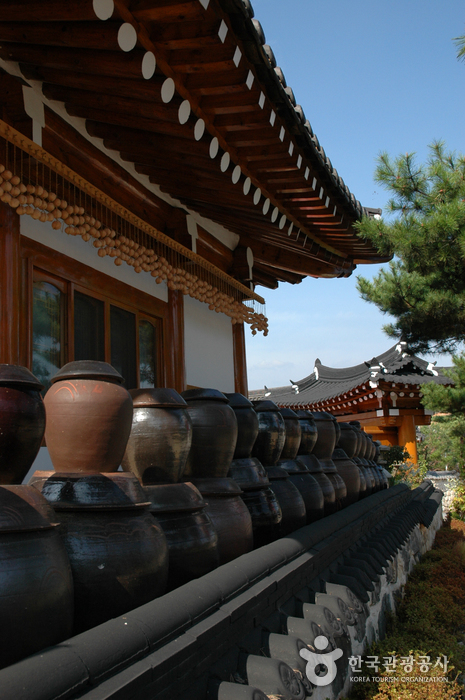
[316, 470]
[307, 486]
[349, 472]
[190, 534]
[160, 438]
[293, 434]
[340, 489]
[229, 515]
[36, 601]
[271, 433]
[348, 440]
[290, 501]
[247, 425]
[89, 418]
[117, 550]
[214, 433]
[22, 422]
[309, 432]
[326, 442]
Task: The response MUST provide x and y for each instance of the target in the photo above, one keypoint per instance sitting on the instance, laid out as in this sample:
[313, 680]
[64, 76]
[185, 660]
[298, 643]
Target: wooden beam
[240, 363]
[175, 357]
[96, 35]
[11, 351]
[59, 11]
[165, 11]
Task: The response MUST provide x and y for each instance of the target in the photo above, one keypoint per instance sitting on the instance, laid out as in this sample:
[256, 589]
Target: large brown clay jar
[89, 415]
[340, 489]
[36, 585]
[247, 425]
[309, 432]
[214, 433]
[229, 515]
[271, 433]
[348, 440]
[117, 550]
[326, 442]
[316, 470]
[160, 437]
[190, 534]
[22, 422]
[349, 472]
[293, 434]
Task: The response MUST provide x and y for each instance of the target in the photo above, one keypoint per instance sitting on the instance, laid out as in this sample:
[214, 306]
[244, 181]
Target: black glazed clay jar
[22, 422]
[265, 512]
[309, 432]
[190, 534]
[247, 425]
[316, 470]
[271, 433]
[249, 474]
[36, 585]
[340, 489]
[214, 433]
[293, 434]
[160, 437]
[348, 440]
[117, 550]
[350, 474]
[308, 487]
[290, 501]
[229, 515]
[327, 435]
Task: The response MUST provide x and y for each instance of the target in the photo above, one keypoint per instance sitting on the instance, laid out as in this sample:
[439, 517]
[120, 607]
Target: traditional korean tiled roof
[396, 366]
[188, 94]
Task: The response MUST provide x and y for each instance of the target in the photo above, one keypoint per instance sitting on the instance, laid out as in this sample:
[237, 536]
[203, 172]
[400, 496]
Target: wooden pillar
[10, 287]
[175, 356]
[407, 436]
[240, 364]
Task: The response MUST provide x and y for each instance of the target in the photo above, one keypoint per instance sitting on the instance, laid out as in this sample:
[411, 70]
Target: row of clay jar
[87, 548]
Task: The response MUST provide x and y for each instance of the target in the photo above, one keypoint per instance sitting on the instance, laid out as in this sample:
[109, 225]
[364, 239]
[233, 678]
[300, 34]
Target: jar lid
[293, 466]
[17, 512]
[339, 453]
[203, 394]
[248, 473]
[157, 398]
[88, 369]
[237, 400]
[97, 491]
[275, 473]
[21, 377]
[173, 498]
[264, 405]
[311, 462]
[211, 486]
[288, 414]
[322, 415]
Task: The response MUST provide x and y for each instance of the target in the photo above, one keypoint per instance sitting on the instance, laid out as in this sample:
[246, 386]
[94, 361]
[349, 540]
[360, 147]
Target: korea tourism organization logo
[321, 668]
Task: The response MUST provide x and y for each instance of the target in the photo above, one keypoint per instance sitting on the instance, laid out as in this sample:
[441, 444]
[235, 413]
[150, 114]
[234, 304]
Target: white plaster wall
[84, 252]
[208, 347]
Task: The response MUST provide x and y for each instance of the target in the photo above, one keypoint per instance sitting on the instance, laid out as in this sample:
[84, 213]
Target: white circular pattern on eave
[214, 147]
[167, 90]
[266, 206]
[274, 214]
[184, 112]
[199, 129]
[103, 8]
[257, 195]
[127, 37]
[236, 175]
[247, 185]
[225, 161]
[282, 221]
[149, 63]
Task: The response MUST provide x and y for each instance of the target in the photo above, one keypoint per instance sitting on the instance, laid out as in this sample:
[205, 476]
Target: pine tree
[424, 287]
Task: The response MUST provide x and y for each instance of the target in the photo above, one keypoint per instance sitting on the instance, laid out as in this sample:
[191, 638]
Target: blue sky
[371, 76]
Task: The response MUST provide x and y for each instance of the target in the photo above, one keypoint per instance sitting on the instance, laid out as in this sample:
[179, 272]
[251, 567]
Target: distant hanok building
[384, 394]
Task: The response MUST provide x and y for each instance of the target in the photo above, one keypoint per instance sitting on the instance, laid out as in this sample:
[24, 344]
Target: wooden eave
[212, 51]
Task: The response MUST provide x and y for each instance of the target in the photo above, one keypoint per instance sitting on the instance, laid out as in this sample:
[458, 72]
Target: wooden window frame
[69, 275]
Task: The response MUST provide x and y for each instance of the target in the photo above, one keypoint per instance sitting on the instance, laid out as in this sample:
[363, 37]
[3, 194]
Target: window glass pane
[147, 355]
[89, 336]
[123, 344]
[47, 328]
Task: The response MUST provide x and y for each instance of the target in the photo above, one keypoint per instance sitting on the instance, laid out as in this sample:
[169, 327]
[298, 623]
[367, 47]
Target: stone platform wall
[236, 633]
